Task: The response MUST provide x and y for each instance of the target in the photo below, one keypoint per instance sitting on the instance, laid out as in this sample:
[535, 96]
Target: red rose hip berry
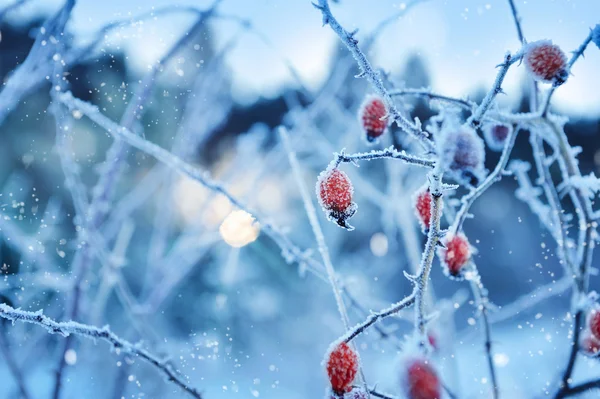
[335, 191]
[422, 201]
[342, 366]
[420, 381]
[456, 255]
[371, 115]
[588, 344]
[594, 323]
[546, 62]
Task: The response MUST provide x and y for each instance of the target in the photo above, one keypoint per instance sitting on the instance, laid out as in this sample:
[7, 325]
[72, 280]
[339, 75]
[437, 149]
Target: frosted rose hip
[546, 62]
[420, 380]
[462, 153]
[422, 206]
[370, 115]
[456, 254]
[335, 191]
[588, 344]
[342, 366]
[594, 323]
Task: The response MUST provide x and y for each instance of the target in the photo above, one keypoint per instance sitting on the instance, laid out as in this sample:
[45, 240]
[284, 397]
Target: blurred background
[194, 279]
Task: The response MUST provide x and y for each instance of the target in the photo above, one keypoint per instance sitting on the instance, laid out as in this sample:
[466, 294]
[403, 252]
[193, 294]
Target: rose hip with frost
[371, 116]
[334, 191]
[341, 366]
[546, 62]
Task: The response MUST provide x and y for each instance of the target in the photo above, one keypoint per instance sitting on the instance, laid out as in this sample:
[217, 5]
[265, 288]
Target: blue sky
[461, 40]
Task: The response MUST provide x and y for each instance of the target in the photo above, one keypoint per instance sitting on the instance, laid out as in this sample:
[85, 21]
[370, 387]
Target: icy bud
[462, 153]
[334, 191]
[496, 134]
[546, 62]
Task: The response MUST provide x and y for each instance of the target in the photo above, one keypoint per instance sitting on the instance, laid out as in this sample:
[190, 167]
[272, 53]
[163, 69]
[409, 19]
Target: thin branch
[389, 152]
[476, 118]
[69, 328]
[374, 317]
[368, 72]
[426, 93]
[481, 299]
[578, 389]
[517, 19]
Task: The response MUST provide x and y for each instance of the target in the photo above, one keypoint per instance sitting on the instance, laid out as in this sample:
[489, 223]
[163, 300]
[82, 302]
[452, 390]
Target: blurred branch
[105, 334]
[11, 7]
[12, 364]
[426, 93]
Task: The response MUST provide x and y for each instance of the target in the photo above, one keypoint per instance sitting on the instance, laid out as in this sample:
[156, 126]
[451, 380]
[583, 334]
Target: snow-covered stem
[368, 72]
[426, 93]
[482, 303]
[374, 317]
[311, 212]
[421, 280]
[377, 394]
[14, 368]
[531, 299]
[488, 100]
[556, 209]
[492, 178]
[195, 173]
[389, 152]
[576, 54]
[69, 328]
[316, 228]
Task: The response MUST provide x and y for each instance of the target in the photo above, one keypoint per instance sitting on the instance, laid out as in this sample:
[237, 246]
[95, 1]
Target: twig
[475, 119]
[318, 233]
[69, 328]
[469, 105]
[372, 76]
[389, 152]
[481, 299]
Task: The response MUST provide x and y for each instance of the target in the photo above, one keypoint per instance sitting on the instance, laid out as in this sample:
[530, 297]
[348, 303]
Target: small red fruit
[594, 323]
[342, 366]
[334, 191]
[371, 116]
[421, 381]
[546, 62]
[496, 134]
[422, 204]
[588, 344]
[456, 254]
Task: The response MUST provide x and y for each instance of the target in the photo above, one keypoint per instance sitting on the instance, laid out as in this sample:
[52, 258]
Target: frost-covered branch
[482, 302]
[69, 328]
[374, 317]
[368, 72]
[426, 93]
[421, 280]
[476, 118]
[389, 152]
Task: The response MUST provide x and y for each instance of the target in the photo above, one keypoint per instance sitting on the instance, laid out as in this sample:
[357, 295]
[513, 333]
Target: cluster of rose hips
[461, 152]
[418, 378]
